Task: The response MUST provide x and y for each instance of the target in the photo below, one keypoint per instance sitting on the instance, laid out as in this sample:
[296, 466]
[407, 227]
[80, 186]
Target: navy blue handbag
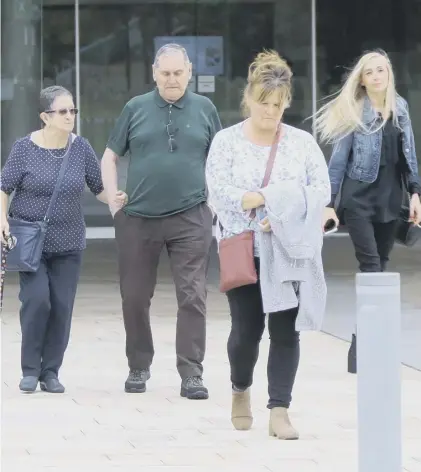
[30, 235]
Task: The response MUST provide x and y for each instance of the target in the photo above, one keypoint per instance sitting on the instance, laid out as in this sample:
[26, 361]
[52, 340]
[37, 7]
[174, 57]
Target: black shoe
[51, 386]
[352, 356]
[136, 381]
[28, 384]
[193, 389]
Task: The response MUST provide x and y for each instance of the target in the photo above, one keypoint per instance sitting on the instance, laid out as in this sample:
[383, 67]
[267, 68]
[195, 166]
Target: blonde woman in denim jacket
[372, 163]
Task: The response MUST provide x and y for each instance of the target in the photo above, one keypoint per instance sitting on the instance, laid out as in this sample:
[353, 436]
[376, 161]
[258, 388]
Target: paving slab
[95, 425]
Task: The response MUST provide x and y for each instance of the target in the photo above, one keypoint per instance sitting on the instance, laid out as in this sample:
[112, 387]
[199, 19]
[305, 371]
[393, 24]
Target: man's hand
[118, 202]
[121, 198]
[415, 209]
[252, 200]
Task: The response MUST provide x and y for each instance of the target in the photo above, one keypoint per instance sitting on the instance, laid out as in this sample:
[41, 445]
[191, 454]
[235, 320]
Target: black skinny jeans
[373, 242]
[247, 326]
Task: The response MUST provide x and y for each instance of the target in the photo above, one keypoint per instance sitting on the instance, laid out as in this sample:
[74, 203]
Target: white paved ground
[95, 426]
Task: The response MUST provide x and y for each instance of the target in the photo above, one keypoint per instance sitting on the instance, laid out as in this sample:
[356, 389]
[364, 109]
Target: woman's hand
[5, 231]
[415, 209]
[265, 225]
[252, 200]
[329, 214]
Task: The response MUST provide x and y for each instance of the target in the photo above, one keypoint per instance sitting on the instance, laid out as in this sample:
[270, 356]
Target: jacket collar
[161, 102]
[370, 115]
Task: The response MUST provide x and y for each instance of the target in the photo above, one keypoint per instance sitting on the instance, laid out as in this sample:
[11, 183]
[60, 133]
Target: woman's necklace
[67, 148]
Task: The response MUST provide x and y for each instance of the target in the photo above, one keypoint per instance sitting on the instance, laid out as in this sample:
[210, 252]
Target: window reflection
[58, 48]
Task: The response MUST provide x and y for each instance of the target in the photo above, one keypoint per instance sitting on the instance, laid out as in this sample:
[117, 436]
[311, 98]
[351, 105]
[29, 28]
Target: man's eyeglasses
[64, 111]
[171, 130]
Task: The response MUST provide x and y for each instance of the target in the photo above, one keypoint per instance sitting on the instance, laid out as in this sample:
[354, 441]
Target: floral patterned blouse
[236, 166]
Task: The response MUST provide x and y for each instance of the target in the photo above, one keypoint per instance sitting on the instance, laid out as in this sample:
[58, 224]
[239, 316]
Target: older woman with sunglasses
[31, 171]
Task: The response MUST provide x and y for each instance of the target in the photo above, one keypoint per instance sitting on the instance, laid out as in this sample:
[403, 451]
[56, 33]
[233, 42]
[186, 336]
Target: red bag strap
[271, 161]
[272, 156]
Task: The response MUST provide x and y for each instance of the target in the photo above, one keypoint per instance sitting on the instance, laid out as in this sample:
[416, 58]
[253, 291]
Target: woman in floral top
[235, 169]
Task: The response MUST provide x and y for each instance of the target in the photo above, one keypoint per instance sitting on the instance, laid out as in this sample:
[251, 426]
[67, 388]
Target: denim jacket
[358, 154]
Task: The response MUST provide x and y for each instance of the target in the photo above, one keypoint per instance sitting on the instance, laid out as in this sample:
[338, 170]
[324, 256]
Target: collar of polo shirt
[163, 103]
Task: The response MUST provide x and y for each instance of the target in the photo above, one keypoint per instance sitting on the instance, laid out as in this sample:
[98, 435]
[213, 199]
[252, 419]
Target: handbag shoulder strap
[60, 177]
[269, 165]
[272, 156]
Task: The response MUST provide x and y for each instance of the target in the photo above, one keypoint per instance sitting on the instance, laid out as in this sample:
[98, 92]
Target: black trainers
[136, 381]
[51, 386]
[28, 384]
[193, 389]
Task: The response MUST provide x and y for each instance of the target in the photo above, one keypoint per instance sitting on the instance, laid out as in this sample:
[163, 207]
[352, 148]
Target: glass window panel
[38, 42]
[118, 44]
[21, 51]
[58, 60]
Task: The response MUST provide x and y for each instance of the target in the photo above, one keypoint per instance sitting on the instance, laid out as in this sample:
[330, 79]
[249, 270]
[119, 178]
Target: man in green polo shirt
[167, 134]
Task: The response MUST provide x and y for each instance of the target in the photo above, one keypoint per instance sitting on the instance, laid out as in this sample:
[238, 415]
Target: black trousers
[373, 242]
[47, 298]
[187, 237]
[247, 327]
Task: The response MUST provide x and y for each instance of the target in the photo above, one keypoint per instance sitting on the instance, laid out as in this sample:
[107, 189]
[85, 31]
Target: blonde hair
[267, 74]
[343, 115]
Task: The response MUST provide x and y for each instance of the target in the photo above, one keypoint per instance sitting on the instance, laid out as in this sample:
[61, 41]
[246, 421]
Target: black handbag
[29, 236]
[406, 232]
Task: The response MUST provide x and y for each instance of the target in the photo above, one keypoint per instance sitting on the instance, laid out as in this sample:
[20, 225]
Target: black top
[32, 171]
[381, 200]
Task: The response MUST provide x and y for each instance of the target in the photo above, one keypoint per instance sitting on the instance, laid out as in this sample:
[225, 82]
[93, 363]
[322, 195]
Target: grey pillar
[21, 53]
[379, 372]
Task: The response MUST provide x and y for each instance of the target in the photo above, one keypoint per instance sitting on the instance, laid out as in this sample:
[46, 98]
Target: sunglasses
[64, 111]
[171, 136]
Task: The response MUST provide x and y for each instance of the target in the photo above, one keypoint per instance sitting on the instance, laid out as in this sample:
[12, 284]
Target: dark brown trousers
[187, 237]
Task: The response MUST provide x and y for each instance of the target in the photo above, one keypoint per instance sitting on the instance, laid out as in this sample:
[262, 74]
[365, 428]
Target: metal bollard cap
[378, 279]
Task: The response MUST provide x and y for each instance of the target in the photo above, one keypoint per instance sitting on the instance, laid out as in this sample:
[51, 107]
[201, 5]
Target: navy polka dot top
[32, 172]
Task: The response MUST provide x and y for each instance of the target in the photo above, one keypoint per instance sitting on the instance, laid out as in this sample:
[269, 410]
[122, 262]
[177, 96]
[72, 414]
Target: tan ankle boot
[241, 416]
[280, 425]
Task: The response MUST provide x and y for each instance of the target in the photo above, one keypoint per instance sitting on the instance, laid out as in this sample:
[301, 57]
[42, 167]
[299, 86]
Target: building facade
[102, 50]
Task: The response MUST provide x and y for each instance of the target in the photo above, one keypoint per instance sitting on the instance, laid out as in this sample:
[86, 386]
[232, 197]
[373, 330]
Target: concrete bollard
[379, 372]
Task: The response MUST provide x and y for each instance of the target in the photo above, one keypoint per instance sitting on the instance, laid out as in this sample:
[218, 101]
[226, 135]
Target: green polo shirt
[161, 182]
